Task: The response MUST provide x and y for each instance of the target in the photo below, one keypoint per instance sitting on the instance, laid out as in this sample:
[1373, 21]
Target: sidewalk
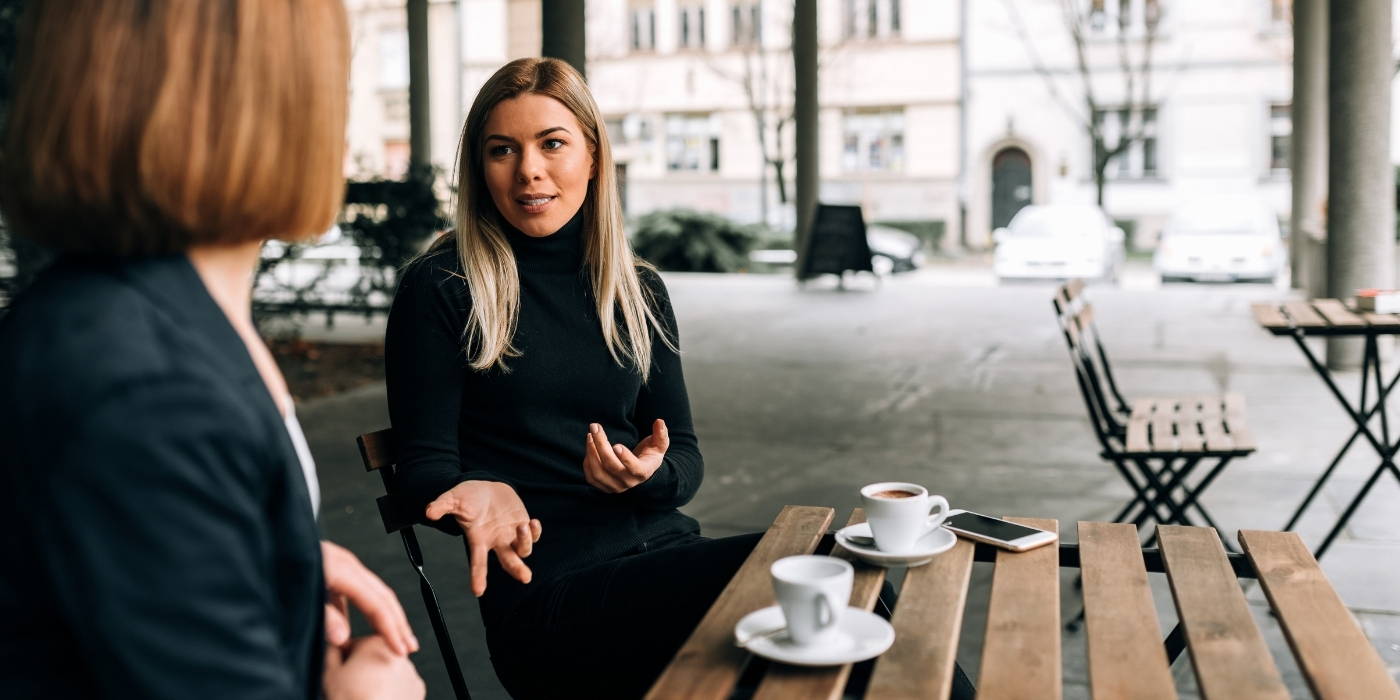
[943, 378]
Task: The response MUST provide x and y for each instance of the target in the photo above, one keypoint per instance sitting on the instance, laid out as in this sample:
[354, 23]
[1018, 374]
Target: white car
[1059, 241]
[1221, 240]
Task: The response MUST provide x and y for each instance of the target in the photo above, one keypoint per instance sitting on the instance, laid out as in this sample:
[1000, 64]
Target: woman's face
[537, 163]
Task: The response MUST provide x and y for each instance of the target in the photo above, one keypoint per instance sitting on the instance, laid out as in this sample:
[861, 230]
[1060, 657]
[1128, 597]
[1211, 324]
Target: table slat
[1188, 427]
[1021, 651]
[927, 623]
[1228, 653]
[1332, 651]
[1303, 314]
[1382, 320]
[1217, 440]
[708, 664]
[1126, 657]
[1269, 316]
[784, 681]
[1337, 313]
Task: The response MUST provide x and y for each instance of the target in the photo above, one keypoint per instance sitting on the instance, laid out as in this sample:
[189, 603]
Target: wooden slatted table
[1021, 655]
[1333, 318]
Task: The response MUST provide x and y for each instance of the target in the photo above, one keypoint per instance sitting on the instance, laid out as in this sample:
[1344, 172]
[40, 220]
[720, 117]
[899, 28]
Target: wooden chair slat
[1269, 316]
[1217, 440]
[1234, 403]
[1188, 427]
[1227, 650]
[377, 449]
[1085, 318]
[1337, 313]
[1137, 436]
[1074, 287]
[1332, 651]
[708, 664]
[1303, 314]
[1126, 657]
[1163, 433]
[1021, 651]
[1142, 409]
[1212, 406]
[1241, 436]
[927, 623]
[784, 681]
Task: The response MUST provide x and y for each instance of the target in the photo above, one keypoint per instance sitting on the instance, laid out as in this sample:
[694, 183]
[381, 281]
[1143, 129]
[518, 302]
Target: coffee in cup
[898, 514]
[813, 592]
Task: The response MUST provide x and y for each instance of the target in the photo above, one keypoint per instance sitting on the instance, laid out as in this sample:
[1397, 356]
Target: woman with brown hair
[536, 392]
[160, 498]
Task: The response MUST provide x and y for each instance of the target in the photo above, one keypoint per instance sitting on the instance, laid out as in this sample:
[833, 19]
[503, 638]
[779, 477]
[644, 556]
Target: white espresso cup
[898, 514]
[813, 592]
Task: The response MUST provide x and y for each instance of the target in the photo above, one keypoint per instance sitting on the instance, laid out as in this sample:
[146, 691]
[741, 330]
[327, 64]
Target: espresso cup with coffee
[899, 514]
[813, 592]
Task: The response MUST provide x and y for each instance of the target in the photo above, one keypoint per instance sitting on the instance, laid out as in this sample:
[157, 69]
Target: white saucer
[928, 546]
[862, 635]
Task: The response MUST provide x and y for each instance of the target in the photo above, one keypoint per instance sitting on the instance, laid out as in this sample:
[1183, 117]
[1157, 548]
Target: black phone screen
[989, 527]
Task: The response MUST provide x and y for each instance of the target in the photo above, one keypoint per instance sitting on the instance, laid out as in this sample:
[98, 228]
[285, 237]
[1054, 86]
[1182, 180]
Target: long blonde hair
[487, 259]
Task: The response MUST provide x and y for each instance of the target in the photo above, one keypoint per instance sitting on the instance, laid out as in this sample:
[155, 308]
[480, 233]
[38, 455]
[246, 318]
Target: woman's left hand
[348, 581]
[614, 468]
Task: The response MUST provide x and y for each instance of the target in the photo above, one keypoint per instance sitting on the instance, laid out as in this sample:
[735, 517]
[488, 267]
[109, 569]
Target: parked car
[1059, 241]
[893, 250]
[1221, 240]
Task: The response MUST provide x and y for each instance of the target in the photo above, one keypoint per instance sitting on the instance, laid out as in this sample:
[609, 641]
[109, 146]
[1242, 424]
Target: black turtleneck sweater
[527, 426]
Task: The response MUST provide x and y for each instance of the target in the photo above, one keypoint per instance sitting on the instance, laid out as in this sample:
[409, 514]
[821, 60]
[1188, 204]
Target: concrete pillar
[805, 115]
[1308, 150]
[561, 22]
[420, 143]
[1360, 181]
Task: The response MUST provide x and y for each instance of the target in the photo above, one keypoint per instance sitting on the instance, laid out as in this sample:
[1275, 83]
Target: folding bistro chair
[1154, 443]
[379, 453]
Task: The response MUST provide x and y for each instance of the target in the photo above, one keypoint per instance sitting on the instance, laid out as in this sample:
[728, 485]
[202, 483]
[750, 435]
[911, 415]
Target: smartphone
[997, 532]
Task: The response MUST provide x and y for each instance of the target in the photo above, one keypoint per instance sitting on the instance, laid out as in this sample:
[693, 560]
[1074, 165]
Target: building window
[1133, 17]
[393, 59]
[746, 25]
[1139, 160]
[643, 28]
[617, 131]
[873, 140]
[870, 19]
[1280, 136]
[692, 142]
[692, 27]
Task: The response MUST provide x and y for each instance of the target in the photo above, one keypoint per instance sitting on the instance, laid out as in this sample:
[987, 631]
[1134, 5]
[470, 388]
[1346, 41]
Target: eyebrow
[540, 135]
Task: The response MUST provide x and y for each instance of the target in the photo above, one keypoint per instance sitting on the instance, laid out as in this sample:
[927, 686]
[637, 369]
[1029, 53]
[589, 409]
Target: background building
[1216, 120]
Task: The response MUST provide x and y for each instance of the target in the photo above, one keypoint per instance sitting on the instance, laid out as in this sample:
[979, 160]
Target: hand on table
[614, 468]
[368, 669]
[348, 581]
[493, 519]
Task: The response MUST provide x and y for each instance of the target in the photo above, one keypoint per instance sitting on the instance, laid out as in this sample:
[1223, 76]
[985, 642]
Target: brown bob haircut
[142, 127]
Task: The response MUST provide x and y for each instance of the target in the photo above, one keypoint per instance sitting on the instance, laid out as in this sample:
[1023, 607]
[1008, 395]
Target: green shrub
[684, 240]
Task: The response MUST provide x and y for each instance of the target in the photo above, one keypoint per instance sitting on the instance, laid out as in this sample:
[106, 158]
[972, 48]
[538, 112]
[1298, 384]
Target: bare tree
[767, 80]
[1082, 17]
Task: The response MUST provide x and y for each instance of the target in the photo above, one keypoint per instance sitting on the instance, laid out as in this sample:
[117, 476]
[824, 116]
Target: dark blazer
[158, 539]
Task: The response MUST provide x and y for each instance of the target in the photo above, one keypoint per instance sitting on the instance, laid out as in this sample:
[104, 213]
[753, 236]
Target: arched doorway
[1011, 184]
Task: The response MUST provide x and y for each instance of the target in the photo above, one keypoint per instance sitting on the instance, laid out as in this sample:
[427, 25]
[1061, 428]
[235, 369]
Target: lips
[535, 203]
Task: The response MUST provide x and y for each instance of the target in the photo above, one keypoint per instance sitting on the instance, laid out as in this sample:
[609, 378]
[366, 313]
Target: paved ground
[943, 378]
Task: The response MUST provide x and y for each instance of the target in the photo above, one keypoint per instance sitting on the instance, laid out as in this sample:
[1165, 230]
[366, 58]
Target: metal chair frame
[378, 451]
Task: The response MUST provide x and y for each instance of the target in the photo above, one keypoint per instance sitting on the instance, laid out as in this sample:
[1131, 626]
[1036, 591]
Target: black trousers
[609, 630]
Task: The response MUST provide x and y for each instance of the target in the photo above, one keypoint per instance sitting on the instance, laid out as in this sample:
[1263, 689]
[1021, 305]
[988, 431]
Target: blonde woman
[535, 387]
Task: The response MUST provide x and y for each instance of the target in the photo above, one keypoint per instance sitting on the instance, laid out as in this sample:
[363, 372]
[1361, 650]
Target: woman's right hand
[493, 519]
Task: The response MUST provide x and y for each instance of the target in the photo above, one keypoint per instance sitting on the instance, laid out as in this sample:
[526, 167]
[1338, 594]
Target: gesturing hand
[348, 581]
[614, 468]
[494, 520]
